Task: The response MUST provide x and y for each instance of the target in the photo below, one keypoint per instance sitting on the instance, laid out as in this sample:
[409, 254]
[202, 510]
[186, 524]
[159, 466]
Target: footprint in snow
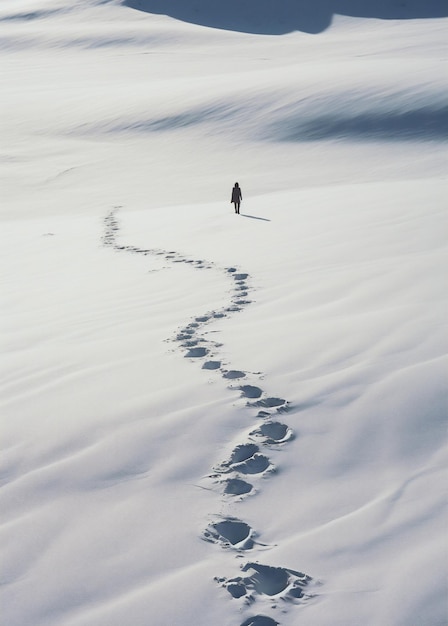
[246, 459]
[211, 365]
[267, 581]
[232, 374]
[271, 403]
[257, 464]
[202, 318]
[273, 433]
[249, 391]
[230, 533]
[196, 353]
[241, 453]
[190, 343]
[237, 487]
[184, 336]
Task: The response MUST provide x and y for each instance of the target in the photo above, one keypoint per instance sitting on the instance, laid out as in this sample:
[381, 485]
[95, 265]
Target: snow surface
[210, 418]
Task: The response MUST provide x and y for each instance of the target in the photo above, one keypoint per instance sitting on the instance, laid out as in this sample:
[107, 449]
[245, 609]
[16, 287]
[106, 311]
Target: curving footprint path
[248, 463]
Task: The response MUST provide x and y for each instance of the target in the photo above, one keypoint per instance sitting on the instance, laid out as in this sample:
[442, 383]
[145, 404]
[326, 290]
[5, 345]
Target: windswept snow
[210, 418]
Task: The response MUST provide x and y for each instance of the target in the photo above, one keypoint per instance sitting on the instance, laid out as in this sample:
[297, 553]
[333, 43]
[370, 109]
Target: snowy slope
[210, 418]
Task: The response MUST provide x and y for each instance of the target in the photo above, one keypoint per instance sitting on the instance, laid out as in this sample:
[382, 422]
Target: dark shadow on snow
[254, 217]
[277, 17]
[429, 122]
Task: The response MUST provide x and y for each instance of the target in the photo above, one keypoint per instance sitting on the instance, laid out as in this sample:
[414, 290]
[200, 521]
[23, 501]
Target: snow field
[210, 418]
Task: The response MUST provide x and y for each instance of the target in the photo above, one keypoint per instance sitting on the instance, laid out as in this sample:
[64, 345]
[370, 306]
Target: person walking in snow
[237, 196]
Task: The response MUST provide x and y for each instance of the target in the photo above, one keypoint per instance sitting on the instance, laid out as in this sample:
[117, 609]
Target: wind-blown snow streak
[248, 460]
[301, 113]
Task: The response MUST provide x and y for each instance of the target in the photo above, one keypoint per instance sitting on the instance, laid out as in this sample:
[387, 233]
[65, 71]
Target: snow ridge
[248, 463]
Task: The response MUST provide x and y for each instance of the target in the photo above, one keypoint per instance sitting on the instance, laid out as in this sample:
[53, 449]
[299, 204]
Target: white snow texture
[211, 418]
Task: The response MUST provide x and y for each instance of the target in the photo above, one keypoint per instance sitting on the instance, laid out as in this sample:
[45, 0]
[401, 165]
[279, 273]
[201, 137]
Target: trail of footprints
[270, 588]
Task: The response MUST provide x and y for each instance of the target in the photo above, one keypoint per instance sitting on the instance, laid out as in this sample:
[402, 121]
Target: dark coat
[237, 196]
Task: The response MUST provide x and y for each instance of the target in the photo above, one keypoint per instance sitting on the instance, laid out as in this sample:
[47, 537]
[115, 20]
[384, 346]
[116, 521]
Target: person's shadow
[277, 17]
[254, 217]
